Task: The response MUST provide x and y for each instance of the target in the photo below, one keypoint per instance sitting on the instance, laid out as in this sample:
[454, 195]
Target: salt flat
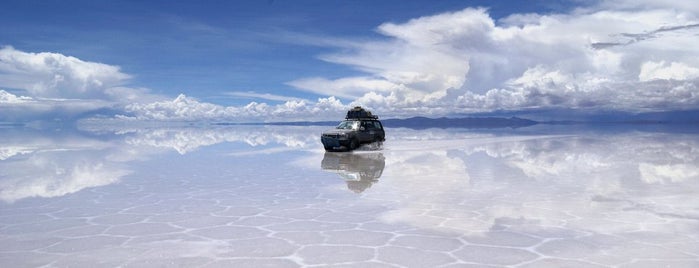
[255, 196]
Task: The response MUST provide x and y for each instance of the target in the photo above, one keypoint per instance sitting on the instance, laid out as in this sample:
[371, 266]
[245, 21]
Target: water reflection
[359, 170]
[433, 165]
[41, 164]
[188, 139]
[624, 182]
[37, 163]
[576, 199]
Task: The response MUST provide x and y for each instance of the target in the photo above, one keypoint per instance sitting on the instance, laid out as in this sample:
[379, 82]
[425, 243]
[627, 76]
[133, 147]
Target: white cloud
[181, 108]
[23, 108]
[55, 86]
[349, 87]
[53, 75]
[7, 97]
[667, 71]
[653, 173]
[65, 87]
[688, 6]
[607, 56]
[185, 108]
[264, 96]
[623, 55]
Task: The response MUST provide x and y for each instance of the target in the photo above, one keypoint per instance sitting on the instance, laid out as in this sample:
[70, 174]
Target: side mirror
[362, 128]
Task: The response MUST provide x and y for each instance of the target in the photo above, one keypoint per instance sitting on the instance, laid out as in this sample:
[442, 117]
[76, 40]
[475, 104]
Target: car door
[379, 133]
[366, 131]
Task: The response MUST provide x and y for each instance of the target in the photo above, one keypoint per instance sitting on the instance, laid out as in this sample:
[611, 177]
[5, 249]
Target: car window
[347, 125]
[377, 125]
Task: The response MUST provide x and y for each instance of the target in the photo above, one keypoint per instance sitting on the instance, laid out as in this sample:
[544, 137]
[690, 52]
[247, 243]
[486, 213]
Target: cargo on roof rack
[360, 113]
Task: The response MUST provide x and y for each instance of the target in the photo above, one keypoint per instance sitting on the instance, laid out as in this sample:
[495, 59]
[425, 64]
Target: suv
[359, 127]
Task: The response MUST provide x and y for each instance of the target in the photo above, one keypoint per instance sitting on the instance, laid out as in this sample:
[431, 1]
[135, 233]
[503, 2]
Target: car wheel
[353, 144]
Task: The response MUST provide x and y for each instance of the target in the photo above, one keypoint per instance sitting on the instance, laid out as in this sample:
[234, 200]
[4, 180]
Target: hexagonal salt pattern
[448, 199]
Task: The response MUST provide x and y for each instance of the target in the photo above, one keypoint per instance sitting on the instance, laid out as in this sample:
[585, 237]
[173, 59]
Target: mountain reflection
[359, 170]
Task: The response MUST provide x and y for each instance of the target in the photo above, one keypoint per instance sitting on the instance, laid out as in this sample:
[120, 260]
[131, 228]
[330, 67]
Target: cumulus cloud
[667, 71]
[189, 109]
[7, 98]
[24, 108]
[59, 86]
[613, 55]
[55, 86]
[607, 56]
[53, 75]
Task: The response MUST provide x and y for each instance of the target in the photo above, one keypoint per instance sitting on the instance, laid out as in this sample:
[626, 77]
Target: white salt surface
[270, 196]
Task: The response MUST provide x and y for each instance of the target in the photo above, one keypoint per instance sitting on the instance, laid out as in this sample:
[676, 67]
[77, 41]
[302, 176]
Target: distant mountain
[423, 122]
[465, 122]
[513, 119]
[689, 116]
[578, 116]
[295, 123]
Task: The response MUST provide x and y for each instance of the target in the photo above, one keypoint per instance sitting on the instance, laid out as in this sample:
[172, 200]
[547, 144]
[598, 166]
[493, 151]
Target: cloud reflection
[52, 164]
[36, 164]
[439, 179]
[186, 139]
[10, 151]
[560, 182]
[43, 177]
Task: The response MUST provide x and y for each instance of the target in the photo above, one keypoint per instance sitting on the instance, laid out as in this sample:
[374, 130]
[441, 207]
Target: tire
[353, 144]
[378, 139]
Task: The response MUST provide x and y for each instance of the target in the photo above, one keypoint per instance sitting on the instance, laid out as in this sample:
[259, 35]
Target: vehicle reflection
[359, 170]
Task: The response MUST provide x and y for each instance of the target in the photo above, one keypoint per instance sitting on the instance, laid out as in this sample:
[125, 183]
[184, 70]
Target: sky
[312, 60]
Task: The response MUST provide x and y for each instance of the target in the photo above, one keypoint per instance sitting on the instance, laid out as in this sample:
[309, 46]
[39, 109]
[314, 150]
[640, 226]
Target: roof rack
[360, 113]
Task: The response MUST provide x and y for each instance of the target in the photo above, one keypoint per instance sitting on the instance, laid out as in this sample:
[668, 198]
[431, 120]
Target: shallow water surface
[252, 196]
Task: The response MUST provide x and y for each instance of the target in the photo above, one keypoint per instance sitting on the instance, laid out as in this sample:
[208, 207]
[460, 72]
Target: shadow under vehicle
[359, 127]
[359, 171]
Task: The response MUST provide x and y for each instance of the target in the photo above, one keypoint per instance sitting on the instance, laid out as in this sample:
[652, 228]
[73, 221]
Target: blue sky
[276, 60]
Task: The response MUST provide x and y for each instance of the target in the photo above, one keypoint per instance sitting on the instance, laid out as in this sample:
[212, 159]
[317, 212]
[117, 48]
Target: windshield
[348, 125]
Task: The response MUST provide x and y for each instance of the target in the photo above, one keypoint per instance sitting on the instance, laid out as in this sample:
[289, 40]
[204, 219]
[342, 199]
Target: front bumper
[334, 143]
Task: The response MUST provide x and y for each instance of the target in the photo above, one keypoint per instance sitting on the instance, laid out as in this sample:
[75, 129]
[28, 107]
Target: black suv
[359, 127]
